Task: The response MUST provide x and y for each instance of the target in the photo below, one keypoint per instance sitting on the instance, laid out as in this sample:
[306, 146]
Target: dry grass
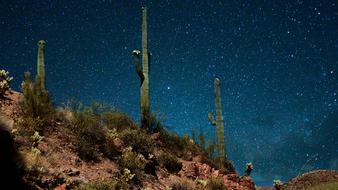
[325, 186]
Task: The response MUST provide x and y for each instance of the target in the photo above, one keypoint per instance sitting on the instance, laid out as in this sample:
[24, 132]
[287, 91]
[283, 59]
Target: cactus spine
[41, 64]
[143, 72]
[218, 122]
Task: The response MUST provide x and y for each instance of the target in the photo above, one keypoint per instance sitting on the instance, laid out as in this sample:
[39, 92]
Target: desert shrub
[229, 166]
[138, 140]
[98, 185]
[175, 142]
[182, 184]
[326, 186]
[179, 186]
[210, 150]
[99, 108]
[118, 120]
[216, 184]
[36, 102]
[170, 162]
[109, 115]
[90, 135]
[73, 105]
[201, 182]
[90, 141]
[111, 149]
[132, 161]
[155, 124]
[172, 141]
[226, 167]
[27, 126]
[4, 82]
[63, 115]
[94, 137]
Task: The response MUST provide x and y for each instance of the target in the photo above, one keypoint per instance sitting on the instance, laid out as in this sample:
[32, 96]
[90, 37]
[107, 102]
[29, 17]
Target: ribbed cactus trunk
[41, 64]
[143, 73]
[219, 120]
[220, 144]
[145, 102]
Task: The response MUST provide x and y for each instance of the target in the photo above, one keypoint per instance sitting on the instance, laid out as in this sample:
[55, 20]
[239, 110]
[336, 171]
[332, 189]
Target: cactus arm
[138, 65]
[149, 56]
[211, 119]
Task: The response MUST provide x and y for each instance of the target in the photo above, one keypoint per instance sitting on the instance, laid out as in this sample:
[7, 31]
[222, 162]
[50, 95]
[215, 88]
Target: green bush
[138, 140]
[216, 184]
[170, 162]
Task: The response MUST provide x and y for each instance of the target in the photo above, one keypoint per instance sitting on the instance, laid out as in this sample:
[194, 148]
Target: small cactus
[4, 82]
[277, 184]
[249, 168]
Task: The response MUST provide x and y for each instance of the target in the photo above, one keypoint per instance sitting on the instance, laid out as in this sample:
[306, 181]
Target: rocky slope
[59, 167]
[312, 179]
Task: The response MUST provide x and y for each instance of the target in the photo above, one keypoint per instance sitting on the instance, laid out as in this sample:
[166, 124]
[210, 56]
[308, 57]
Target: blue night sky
[277, 61]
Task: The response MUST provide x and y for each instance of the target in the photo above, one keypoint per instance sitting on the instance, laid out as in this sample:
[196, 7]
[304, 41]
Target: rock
[198, 170]
[118, 143]
[161, 173]
[197, 158]
[150, 167]
[61, 187]
[247, 183]
[155, 136]
[6, 122]
[195, 169]
[109, 170]
[72, 172]
[188, 156]
[43, 146]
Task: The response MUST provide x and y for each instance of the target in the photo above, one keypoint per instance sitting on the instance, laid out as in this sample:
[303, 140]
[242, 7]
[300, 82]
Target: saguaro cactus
[218, 122]
[143, 72]
[41, 77]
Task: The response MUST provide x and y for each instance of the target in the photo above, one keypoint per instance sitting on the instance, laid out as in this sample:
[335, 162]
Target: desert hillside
[90, 149]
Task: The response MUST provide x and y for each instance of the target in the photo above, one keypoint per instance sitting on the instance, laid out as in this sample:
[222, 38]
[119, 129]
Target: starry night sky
[277, 61]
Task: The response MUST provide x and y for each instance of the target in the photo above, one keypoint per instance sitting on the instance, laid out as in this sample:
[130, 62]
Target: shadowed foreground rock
[9, 170]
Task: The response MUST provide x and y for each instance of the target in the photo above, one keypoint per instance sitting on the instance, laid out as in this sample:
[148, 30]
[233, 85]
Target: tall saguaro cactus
[218, 122]
[41, 64]
[143, 72]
